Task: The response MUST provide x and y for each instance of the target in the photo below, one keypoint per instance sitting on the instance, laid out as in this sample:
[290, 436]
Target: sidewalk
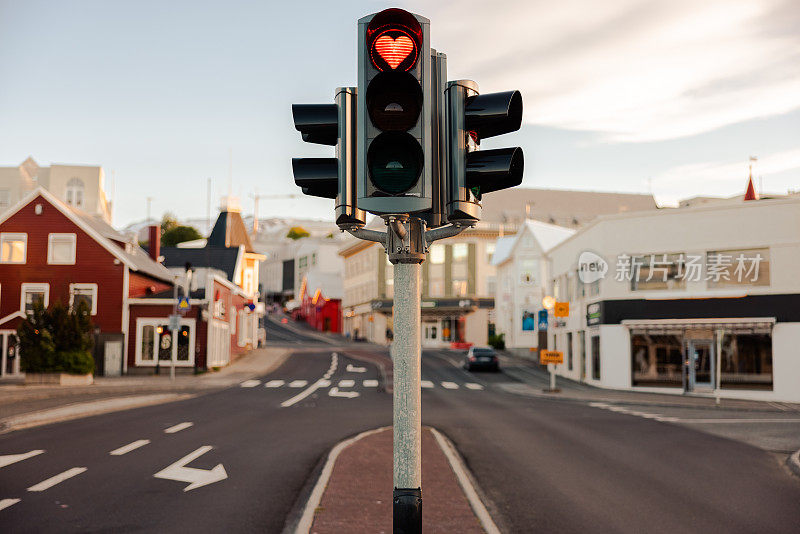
[358, 496]
[19, 399]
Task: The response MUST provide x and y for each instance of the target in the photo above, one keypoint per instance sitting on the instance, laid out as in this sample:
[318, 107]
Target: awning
[743, 325]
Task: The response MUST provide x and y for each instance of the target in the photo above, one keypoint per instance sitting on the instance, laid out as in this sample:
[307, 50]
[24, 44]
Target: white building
[523, 276]
[79, 186]
[682, 284]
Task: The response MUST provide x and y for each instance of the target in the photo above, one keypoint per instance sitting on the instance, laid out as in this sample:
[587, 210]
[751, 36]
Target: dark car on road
[481, 358]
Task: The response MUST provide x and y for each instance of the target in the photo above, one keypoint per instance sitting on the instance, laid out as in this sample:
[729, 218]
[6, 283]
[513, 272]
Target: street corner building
[700, 300]
[51, 251]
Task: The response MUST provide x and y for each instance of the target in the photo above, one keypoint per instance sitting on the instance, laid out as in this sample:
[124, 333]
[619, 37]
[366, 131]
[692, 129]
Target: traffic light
[473, 172]
[395, 171]
[330, 124]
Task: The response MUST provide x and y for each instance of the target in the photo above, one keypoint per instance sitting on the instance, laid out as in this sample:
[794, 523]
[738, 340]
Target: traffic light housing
[330, 124]
[473, 172]
[394, 161]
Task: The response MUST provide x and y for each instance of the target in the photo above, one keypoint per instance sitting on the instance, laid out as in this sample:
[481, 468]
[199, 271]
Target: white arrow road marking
[370, 383]
[178, 427]
[52, 481]
[471, 385]
[353, 369]
[250, 383]
[426, 384]
[334, 392]
[129, 447]
[347, 383]
[274, 384]
[449, 385]
[298, 383]
[14, 458]
[5, 503]
[196, 477]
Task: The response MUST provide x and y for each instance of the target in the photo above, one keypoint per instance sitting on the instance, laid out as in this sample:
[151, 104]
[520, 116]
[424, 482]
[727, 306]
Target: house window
[33, 294]
[490, 249]
[155, 338]
[61, 249]
[86, 293]
[460, 252]
[75, 192]
[13, 247]
[303, 262]
[314, 259]
[436, 254]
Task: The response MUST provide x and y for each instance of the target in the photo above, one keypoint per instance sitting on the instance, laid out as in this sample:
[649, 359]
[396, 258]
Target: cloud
[632, 71]
[724, 178]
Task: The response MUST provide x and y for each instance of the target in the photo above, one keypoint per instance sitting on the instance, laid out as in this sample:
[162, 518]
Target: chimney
[154, 241]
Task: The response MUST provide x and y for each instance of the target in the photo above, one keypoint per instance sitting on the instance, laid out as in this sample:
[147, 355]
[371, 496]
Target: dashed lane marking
[274, 384]
[58, 479]
[370, 383]
[5, 503]
[353, 369]
[250, 383]
[178, 427]
[449, 385]
[472, 385]
[427, 384]
[14, 458]
[347, 383]
[125, 449]
[298, 383]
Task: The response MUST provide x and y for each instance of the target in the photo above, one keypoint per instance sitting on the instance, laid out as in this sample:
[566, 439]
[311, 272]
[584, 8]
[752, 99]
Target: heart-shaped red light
[394, 50]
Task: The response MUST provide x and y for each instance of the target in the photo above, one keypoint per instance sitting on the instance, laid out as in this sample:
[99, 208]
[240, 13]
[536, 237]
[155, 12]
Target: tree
[179, 234]
[297, 232]
[57, 340]
[168, 222]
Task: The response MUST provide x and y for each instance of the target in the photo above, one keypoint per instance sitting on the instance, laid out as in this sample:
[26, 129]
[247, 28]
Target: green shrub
[56, 340]
[498, 342]
[78, 362]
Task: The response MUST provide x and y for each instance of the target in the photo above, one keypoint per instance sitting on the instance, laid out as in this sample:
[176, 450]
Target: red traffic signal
[394, 39]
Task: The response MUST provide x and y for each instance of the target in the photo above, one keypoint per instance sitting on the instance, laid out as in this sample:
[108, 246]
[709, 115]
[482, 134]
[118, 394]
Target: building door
[701, 364]
[112, 358]
[430, 334]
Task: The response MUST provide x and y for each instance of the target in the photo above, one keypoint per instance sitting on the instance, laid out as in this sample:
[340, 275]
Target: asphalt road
[543, 465]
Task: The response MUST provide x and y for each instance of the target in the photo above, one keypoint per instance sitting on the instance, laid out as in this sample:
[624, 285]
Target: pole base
[551, 390]
[407, 511]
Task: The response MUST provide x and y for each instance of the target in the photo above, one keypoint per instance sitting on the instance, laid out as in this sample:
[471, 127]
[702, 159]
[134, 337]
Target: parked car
[481, 358]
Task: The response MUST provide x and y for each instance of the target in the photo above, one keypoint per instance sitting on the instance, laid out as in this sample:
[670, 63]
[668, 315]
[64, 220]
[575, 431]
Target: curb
[307, 519]
[794, 462]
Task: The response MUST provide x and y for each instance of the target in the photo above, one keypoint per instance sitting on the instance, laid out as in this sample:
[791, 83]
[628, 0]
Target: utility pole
[174, 325]
[149, 201]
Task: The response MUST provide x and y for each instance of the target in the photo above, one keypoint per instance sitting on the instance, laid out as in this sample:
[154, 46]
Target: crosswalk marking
[298, 383]
[250, 383]
[347, 383]
[426, 384]
[274, 384]
[370, 383]
[449, 385]
[472, 385]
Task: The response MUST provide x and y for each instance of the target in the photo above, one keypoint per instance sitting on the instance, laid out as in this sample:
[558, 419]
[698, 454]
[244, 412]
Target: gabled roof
[131, 255]
[230, 231]
[225, 259]
[546, 235]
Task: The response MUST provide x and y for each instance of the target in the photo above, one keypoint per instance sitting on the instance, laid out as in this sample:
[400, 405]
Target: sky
[670, 97]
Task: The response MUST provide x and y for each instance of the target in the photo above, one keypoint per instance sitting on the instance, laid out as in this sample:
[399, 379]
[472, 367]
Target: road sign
[183, 304]
[551, 356]
[542, 320]
[561, 309]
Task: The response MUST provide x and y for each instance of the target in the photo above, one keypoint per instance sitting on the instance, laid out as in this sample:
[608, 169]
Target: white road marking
[250, 383]
[196, 477]
[334, 392]
[725, 421]
[321, 383]
[52, 481]
[298, 383]
[129, 447]
[370, 383]
[426, 384]
[354, 369]
[178, 427]
[14, 458]
[449, 385]
[274, 384]
[5, 503]
[472, 385]
[347, 383]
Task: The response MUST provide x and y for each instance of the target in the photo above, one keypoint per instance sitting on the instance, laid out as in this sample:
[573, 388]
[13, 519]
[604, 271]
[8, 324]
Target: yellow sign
[551, 356]
[561, 309]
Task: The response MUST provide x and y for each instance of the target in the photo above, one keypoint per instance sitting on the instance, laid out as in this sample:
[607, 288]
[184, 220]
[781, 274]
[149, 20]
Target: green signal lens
[395, 162]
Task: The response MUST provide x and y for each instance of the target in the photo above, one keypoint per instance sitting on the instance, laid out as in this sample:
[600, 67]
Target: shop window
[184, 338]
[13, 247]
[746, 361]
[154, 340]
[147, 343]
[61, 249]
[596, 357]
[657, 359]
[657, 271]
